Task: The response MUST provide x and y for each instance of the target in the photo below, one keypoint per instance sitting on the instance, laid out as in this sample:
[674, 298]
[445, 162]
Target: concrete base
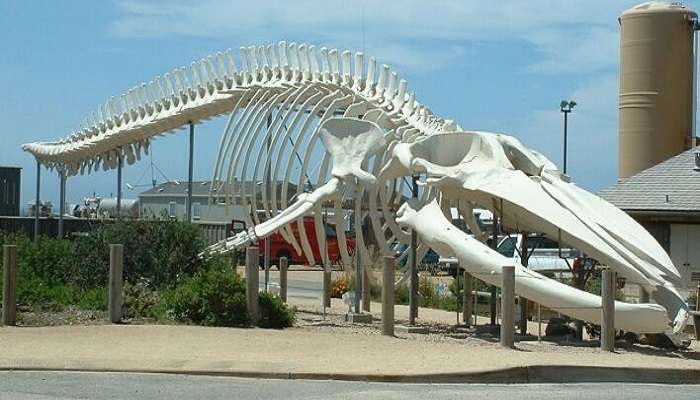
[361, 318]
[423, 330]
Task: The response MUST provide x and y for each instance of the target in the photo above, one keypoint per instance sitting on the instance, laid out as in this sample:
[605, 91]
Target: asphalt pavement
[103, 386]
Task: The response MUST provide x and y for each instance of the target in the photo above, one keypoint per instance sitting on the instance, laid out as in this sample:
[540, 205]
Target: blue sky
[499, 66]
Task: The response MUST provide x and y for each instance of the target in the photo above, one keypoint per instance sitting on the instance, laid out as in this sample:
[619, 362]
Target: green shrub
[274, 313]
[215, 297]
[140, 300]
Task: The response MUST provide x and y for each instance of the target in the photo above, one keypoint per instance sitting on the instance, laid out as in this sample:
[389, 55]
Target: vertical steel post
[62, 197]
[524, 259]
[388, 296]
[266, 256]
[358, 280]
[494, 245]
[120, 164]
[326, 286]
[508, 307]
[607, 326]
[9, 285]
[413, 264]
[37, 202]
[116, 279]
[190, 172]
[566, 125]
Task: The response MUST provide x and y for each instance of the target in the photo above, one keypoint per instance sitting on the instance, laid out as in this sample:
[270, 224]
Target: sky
[500, 66]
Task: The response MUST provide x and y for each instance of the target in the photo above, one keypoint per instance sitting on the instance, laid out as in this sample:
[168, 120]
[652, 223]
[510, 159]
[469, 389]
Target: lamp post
[566, 107]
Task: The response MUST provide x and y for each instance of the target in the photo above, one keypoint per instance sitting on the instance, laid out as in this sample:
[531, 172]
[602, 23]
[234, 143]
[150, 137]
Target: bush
[274, 313]
[215, 297]
[140, 300]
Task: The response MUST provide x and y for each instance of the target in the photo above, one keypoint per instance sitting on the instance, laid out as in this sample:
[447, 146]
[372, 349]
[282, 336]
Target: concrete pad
[358, 318]
[423, 330]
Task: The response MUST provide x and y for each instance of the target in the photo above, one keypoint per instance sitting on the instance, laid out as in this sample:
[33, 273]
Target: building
[169, 200]
[9, 191]
[665, 199]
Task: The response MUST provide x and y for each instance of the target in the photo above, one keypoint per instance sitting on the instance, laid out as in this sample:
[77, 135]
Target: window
[172, 208]
[196, 211]
[507, 246]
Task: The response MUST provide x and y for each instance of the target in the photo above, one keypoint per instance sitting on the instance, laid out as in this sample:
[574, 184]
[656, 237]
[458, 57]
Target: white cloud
[564, 34]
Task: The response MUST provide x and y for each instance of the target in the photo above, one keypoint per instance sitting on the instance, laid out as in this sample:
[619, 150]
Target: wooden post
[467, 298]
[607, 326]
[252, 259]
[366, 290]
[284, 266]
[388, 296]
[116, 276]
[508, 307]
[9, 286]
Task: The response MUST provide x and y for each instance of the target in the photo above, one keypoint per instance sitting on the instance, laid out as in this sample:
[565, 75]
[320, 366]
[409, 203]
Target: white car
[544, 255]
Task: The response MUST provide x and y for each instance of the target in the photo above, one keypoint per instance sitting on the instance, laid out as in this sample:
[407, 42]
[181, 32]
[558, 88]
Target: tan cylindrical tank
[656, 84]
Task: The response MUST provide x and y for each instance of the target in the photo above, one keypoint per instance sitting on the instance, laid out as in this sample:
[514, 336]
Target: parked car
[545, 255]
[279, 247]
[429, 259]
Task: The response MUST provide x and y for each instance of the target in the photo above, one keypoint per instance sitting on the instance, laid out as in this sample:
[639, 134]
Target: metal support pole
[284, 267]
[413, 264]
[508, 307]
[607, 326]
[37, 202]
[326, 286]
[266, 255]
[358, 281]
[522, 301]
[494, 245]
[466, 298]
[62, 206]
[190, 172]
[388, 296]
[539, 322]
[116, 279]
[266, 262]
[120, 164]
[252, 257]
[566, 125]
[9, 285]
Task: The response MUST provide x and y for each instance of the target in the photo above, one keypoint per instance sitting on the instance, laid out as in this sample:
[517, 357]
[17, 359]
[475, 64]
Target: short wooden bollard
[9, 285]
[467, 298]
[607, 325]
[252, 260]
[327, 285]
[366, 290]
[508, 307]
[284, 267]
[388, 296]
[116, 276]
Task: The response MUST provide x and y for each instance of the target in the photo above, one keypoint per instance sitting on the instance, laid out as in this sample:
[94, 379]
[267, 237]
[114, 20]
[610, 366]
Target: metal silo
[656, 84]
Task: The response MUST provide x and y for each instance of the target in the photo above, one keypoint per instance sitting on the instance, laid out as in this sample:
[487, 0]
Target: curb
[514, 375]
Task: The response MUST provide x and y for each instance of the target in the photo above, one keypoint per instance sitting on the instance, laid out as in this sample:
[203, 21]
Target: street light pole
[566, 107]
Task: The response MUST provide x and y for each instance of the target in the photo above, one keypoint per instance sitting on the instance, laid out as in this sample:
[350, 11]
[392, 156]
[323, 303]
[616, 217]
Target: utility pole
[189, 175]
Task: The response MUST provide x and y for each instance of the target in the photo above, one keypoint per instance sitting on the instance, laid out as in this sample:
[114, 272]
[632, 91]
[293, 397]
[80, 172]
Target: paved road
[301, 288]
[58, 385]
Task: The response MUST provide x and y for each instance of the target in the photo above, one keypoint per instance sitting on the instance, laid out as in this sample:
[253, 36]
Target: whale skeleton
[352, 131]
